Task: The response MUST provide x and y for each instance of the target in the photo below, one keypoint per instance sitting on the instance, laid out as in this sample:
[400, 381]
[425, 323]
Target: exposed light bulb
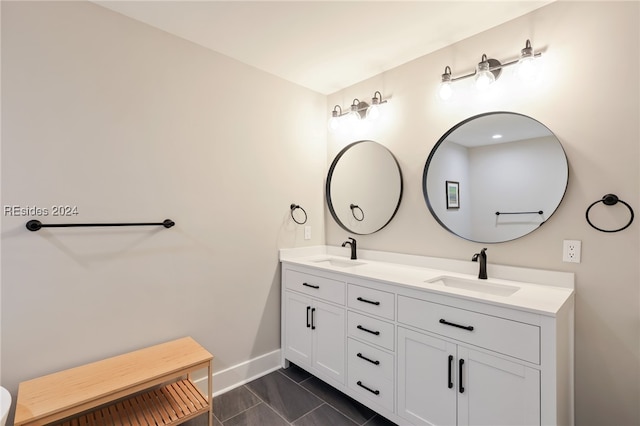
[373, 112]
[334, 123]
[527, 70]
[484, 77]
[445, 91]
[336, 119]
[352, 118]
[527, 64]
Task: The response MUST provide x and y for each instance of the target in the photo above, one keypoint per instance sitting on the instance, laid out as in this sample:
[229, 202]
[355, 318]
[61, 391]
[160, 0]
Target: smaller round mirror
[364, 187]
[495, 177]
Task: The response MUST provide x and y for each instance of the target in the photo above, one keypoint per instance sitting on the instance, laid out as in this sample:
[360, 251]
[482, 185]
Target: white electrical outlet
[571, 251]
[307, 232]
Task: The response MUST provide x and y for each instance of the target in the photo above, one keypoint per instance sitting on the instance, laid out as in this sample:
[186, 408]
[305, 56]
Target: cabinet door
[497, 391]
[298, 333]
[329, 337]
[427, 378]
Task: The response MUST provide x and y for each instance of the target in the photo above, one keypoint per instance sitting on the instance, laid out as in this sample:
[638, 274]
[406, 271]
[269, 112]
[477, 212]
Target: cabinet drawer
[501, 335]
[375, 362]
[370, 330]
[320, 287]
[379, 303]
[374, 382]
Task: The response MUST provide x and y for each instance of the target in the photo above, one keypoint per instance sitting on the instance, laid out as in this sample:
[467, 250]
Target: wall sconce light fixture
[354, 115]
[373, 112]
[357, 112]
[488, 71]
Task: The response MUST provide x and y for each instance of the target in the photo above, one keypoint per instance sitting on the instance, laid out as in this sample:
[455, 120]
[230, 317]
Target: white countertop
[538, 291]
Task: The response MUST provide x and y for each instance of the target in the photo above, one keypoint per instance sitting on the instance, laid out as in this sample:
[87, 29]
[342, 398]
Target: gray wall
[131, 124]
[595, 115]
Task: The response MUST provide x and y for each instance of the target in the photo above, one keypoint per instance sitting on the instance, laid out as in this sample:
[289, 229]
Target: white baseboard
[239, 374]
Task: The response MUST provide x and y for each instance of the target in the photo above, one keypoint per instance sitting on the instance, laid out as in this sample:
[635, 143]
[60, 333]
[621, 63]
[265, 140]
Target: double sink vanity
[422, 340]
[431, 341]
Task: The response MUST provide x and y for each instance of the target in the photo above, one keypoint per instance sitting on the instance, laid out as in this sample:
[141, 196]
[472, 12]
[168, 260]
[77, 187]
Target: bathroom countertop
[539, 291]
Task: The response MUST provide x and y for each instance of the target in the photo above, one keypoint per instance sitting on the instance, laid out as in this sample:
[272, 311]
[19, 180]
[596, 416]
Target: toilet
[5, 405]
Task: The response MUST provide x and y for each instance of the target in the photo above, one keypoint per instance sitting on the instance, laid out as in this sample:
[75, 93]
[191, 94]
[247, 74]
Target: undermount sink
[341, 263]
[477, 285]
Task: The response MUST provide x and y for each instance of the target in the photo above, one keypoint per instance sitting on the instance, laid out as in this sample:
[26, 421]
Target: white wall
[451, 163]
[539, 165]
[594, 114]
[129, 123]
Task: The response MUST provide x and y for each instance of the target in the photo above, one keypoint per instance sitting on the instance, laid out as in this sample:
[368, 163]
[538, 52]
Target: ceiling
[511, 128]
[323, 45]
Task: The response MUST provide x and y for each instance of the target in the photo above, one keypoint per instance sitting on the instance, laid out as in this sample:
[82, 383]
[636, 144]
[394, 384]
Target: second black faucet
[482, 259]
[352, 244]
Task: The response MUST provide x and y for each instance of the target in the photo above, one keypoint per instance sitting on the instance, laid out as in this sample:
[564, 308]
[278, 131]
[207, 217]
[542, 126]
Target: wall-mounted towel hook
[609, 200]
[355, 207]
[36, 225]
[295, 207]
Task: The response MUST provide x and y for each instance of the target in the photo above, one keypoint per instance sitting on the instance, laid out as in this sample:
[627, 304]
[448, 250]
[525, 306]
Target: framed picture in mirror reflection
[453, 194]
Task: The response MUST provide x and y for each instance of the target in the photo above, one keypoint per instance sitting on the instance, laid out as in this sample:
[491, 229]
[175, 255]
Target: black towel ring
[294, 207]
[353, 208]
[610, 200]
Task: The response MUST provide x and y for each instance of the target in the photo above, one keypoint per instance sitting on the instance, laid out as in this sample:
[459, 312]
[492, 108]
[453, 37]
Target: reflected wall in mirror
[364, 187]
[512, 173]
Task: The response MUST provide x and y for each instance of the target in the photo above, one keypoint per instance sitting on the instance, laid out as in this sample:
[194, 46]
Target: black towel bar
[538, 212]
[35, 225]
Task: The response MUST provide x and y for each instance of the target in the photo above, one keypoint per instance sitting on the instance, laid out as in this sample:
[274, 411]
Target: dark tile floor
[289, 397]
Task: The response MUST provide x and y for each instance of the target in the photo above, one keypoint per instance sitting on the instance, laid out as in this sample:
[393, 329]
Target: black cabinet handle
[460, 386]
[308, 309]
[368, 301]
[367, 359]
[313, 319]
[375, 392]
[450, 384]
[310, 285]
[452, 324]
[377, 333]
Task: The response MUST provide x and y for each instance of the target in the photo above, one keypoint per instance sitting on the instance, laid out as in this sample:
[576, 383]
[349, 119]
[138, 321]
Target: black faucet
[352, 244]
[483, 263]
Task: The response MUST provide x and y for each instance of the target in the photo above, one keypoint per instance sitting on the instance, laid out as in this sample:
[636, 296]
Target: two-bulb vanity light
[488, 70]
[358, 111]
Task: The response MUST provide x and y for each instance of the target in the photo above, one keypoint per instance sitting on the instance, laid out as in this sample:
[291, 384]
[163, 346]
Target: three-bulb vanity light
[488, 71]
[358, 111]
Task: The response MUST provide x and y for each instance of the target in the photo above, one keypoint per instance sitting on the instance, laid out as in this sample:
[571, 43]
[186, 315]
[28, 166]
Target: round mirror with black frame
[364, 187]
[495, 177]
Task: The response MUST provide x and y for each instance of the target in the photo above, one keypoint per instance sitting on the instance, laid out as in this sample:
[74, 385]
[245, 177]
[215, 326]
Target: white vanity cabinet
[313, 324]
[444, 383]
[420, 356]
[371, 362]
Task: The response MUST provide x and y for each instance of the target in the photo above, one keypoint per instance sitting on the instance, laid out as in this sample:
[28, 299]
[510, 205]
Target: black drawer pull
[367, 359]
[377, 333]
[375, 392]
[460, 388]
[308, 323]
[368, 301]
[466, 327]
[310, 285]
[450, 383]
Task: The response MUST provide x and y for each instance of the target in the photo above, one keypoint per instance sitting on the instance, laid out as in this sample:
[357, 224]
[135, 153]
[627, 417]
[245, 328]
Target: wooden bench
[151, 386]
